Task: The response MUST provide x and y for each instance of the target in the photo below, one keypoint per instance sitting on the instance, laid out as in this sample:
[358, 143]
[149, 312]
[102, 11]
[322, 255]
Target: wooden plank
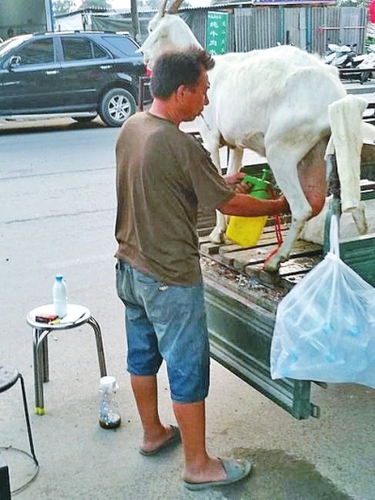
[289, 273]
[209, 248]
[259, 253]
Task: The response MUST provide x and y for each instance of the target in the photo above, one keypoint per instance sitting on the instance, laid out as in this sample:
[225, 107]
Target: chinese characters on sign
[217, 32]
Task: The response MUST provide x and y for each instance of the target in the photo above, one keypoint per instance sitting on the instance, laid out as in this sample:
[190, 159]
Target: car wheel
[84, 119]
[116, 106]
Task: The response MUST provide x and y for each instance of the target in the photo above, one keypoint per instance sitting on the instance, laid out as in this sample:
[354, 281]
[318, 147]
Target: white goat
[273, 101]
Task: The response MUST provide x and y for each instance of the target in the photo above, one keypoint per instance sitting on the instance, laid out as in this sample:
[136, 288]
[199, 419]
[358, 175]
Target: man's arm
[246, 205]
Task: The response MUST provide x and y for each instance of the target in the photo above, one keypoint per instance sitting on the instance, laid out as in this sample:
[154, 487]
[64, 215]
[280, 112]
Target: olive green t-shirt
[162, 176]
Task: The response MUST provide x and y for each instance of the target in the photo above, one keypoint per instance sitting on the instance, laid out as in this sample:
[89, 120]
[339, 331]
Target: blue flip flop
[174, 439]
[236, 471]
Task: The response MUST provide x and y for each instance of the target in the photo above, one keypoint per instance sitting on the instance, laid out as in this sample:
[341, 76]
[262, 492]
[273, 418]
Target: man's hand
[285, 209]
[235, 182]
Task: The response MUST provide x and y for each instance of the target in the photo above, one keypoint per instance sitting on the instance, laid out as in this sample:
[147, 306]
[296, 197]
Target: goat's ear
[162, 8]
[174, 7]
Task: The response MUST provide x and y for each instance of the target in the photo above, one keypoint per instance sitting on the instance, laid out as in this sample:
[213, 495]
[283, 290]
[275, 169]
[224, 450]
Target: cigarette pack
[45, 318]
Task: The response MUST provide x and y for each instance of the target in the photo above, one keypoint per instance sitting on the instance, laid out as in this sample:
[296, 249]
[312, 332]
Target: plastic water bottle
[60, 296]
[109, 416]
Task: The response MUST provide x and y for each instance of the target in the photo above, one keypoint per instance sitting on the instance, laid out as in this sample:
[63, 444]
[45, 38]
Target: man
[162, 177]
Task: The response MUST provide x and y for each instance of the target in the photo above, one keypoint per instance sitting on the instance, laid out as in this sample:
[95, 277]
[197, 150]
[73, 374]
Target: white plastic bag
[325, 326]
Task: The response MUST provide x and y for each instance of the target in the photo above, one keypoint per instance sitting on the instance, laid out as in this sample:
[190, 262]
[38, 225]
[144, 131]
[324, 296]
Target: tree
[155, 4]
[353, 3]
[62, 6]
[89, 4]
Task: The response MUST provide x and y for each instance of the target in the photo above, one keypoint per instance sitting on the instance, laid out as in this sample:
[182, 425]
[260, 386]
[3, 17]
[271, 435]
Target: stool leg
[37, 368]
[39, 338]
[99, 345]
[27, 418]
[45, 359]
[4, 481]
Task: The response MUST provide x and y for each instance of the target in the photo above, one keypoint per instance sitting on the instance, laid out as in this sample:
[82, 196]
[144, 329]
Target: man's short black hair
[173, 69]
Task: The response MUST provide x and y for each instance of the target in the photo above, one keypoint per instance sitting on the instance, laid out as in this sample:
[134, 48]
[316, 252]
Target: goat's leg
[217, 234]
[300, 211]
[235, 163]
[235, 160]
[305, 189]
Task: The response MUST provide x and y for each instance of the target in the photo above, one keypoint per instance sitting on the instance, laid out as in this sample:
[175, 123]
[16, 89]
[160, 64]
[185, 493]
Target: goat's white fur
[272, 101]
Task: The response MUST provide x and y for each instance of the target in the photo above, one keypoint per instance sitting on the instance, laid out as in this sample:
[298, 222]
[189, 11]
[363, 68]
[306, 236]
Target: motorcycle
[345, 57]
[340, 56]
[367, 62]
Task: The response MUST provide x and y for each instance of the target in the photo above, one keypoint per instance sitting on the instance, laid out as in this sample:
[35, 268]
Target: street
[57, 192]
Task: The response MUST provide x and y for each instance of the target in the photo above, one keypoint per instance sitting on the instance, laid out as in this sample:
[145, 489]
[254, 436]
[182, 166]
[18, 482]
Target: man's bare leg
[199, 466]
[146, 396]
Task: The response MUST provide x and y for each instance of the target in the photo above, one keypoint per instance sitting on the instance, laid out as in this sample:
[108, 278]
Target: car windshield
[12, 43]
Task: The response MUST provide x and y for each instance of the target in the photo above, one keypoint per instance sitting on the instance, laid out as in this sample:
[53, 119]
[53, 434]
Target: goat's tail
[345, 116]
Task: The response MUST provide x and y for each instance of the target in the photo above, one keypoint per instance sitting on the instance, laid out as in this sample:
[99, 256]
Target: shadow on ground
[280, 476]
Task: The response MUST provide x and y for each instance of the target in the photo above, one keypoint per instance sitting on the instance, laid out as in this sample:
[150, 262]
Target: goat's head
[167, 32]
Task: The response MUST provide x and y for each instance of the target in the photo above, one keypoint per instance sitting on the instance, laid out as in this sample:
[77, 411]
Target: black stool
[8, 378]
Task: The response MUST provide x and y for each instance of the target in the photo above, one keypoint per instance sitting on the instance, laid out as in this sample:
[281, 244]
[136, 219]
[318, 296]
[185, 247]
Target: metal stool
[8, 378]
[77, 316]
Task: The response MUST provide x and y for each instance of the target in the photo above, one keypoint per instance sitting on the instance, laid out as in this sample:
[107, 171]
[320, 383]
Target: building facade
[18, 17]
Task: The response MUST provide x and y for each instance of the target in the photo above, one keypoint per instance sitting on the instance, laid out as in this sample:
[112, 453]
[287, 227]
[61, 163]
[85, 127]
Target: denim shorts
[166, 322]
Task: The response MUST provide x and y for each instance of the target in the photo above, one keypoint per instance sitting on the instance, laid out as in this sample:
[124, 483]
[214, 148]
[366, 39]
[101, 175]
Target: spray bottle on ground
[109, 416]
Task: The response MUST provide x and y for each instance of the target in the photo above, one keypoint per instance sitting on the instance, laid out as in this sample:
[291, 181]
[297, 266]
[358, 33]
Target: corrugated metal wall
[295, 27]
[254, 27]
[310, 28]
[346, 25]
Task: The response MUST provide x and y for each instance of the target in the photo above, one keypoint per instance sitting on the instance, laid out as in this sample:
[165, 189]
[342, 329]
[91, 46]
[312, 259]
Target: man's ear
[180, 91]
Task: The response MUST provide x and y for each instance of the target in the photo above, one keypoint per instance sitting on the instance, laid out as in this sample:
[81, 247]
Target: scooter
[367, 62]
[340, 56]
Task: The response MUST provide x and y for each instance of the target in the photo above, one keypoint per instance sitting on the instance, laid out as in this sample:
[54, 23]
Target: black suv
[76, 74]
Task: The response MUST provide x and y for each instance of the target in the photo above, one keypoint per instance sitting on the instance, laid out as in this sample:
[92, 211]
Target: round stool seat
[8, 377]
[77, 315]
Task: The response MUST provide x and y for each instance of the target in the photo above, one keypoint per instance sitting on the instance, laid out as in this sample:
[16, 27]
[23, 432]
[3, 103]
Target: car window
[77, 49]
[36, 52]
[122, 43]
[99, 53]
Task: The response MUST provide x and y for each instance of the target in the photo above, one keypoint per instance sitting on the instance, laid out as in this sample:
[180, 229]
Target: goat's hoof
[216, 237]
[273, 265]
[270, 268]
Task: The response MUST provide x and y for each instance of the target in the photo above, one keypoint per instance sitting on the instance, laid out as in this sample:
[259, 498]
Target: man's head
[173, 69]
[179, 80]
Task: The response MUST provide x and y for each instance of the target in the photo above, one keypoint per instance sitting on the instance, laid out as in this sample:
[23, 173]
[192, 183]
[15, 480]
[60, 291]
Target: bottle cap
[108, 383]
[59, 277]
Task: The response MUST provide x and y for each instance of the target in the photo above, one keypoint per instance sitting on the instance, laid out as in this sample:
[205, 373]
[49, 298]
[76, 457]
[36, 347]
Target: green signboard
[217, 32]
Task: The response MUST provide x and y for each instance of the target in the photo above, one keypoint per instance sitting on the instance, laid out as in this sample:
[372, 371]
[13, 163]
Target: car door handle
[106, 66]
[52, 72]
